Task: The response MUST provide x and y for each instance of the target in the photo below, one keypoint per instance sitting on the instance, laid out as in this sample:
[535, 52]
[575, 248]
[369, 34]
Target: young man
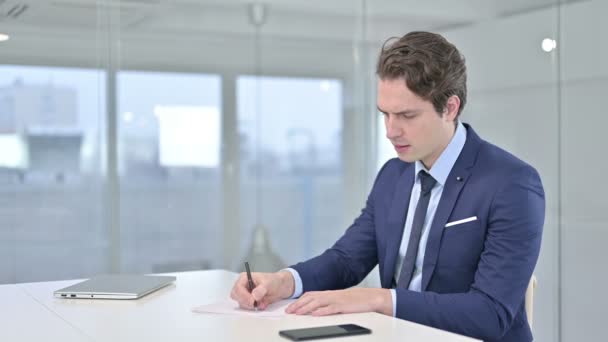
[454, 223]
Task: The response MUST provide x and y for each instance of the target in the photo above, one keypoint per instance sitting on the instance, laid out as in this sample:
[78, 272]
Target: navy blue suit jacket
[475, 274]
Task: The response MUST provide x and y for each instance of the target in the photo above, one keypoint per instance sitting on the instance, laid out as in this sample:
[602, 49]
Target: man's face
[413, 126]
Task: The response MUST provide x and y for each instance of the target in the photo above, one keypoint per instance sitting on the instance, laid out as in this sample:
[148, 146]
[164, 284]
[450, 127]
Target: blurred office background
[173, 135]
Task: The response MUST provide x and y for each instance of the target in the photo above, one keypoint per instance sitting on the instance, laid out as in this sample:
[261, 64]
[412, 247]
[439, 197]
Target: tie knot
[427, 181]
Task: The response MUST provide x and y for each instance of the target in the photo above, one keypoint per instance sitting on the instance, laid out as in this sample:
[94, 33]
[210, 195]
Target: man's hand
[321, 303]
[269, 288]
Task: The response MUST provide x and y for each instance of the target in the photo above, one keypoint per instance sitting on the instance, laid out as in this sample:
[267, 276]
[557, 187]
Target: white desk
[24, 319]
[166, 315]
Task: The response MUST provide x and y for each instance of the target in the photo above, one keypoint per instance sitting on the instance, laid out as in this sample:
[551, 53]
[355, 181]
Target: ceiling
[303, 19]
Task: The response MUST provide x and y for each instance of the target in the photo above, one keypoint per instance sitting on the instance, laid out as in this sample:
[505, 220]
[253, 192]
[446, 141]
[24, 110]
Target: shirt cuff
[394, 296]
[297, 292]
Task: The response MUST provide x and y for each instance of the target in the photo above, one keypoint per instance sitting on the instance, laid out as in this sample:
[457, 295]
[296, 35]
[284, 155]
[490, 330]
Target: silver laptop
[115, 286]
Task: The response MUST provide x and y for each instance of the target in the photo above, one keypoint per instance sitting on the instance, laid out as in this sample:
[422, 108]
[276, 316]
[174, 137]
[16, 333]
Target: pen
[250, 284]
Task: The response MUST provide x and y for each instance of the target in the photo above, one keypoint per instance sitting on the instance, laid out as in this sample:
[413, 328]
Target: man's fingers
[263, 304]
[259, 292]
[306, 304]
[241, 294]
[245, 301]
[305, 298]
[293, 307]
[312, 305]
[264, 290]
[325, 310]
[241, 291]
[236, 292]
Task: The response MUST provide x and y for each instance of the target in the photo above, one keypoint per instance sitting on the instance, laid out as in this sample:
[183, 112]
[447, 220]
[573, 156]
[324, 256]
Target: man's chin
[408, 158]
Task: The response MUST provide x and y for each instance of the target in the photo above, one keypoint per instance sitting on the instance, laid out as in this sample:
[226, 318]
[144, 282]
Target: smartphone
[324, 332]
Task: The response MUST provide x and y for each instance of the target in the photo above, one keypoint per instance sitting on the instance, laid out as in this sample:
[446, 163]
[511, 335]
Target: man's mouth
[401, 148]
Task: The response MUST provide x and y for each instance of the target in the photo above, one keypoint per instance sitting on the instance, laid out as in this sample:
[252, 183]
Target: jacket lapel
[459, 175]
[396, 222]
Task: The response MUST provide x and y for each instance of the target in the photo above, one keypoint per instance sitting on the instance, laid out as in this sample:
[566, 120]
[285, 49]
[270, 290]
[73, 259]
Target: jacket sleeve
[351, 258]
[506, 264]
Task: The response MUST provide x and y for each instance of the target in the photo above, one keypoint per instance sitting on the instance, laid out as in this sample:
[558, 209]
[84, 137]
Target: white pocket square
[453, 223]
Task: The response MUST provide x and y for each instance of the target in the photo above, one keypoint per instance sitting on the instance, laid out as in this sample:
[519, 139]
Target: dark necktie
[409, 262]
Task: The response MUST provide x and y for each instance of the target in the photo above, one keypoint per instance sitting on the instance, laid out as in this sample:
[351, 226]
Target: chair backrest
[530, 299]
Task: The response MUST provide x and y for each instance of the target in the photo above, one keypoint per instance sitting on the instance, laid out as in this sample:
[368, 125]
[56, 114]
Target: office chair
[529, 302]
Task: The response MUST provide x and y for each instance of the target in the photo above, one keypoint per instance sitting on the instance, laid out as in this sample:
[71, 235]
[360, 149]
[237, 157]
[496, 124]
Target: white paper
[230, 307]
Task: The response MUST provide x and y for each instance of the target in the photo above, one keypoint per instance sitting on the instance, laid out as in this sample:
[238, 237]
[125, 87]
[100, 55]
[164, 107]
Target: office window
[188, 136]
[50, 173]
[290, 132]
[169, 167]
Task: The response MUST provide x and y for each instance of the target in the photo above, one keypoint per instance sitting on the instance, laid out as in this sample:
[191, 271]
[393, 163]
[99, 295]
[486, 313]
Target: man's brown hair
[432, 67]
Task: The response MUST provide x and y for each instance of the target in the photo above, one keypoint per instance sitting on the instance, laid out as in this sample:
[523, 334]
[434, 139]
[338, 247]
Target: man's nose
[392, 128]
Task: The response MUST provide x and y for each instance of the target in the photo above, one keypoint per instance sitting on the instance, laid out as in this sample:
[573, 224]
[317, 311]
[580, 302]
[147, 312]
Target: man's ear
[451, 108]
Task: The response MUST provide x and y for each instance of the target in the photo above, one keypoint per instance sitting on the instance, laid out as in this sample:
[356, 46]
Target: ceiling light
[548, 44]
[4, 37]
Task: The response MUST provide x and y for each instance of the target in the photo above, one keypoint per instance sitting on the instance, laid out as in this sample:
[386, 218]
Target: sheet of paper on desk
[230, 307]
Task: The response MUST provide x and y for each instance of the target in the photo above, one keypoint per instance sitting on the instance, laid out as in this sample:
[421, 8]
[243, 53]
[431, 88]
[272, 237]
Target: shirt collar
[442, 167]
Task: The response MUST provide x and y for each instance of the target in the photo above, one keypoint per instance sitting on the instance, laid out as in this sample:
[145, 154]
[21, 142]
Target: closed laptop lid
[115, 286]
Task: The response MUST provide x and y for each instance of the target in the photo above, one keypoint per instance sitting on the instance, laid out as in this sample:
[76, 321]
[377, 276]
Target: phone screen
[324, 332]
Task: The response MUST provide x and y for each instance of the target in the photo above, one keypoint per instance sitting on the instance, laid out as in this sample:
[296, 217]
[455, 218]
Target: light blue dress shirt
[440, 171]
